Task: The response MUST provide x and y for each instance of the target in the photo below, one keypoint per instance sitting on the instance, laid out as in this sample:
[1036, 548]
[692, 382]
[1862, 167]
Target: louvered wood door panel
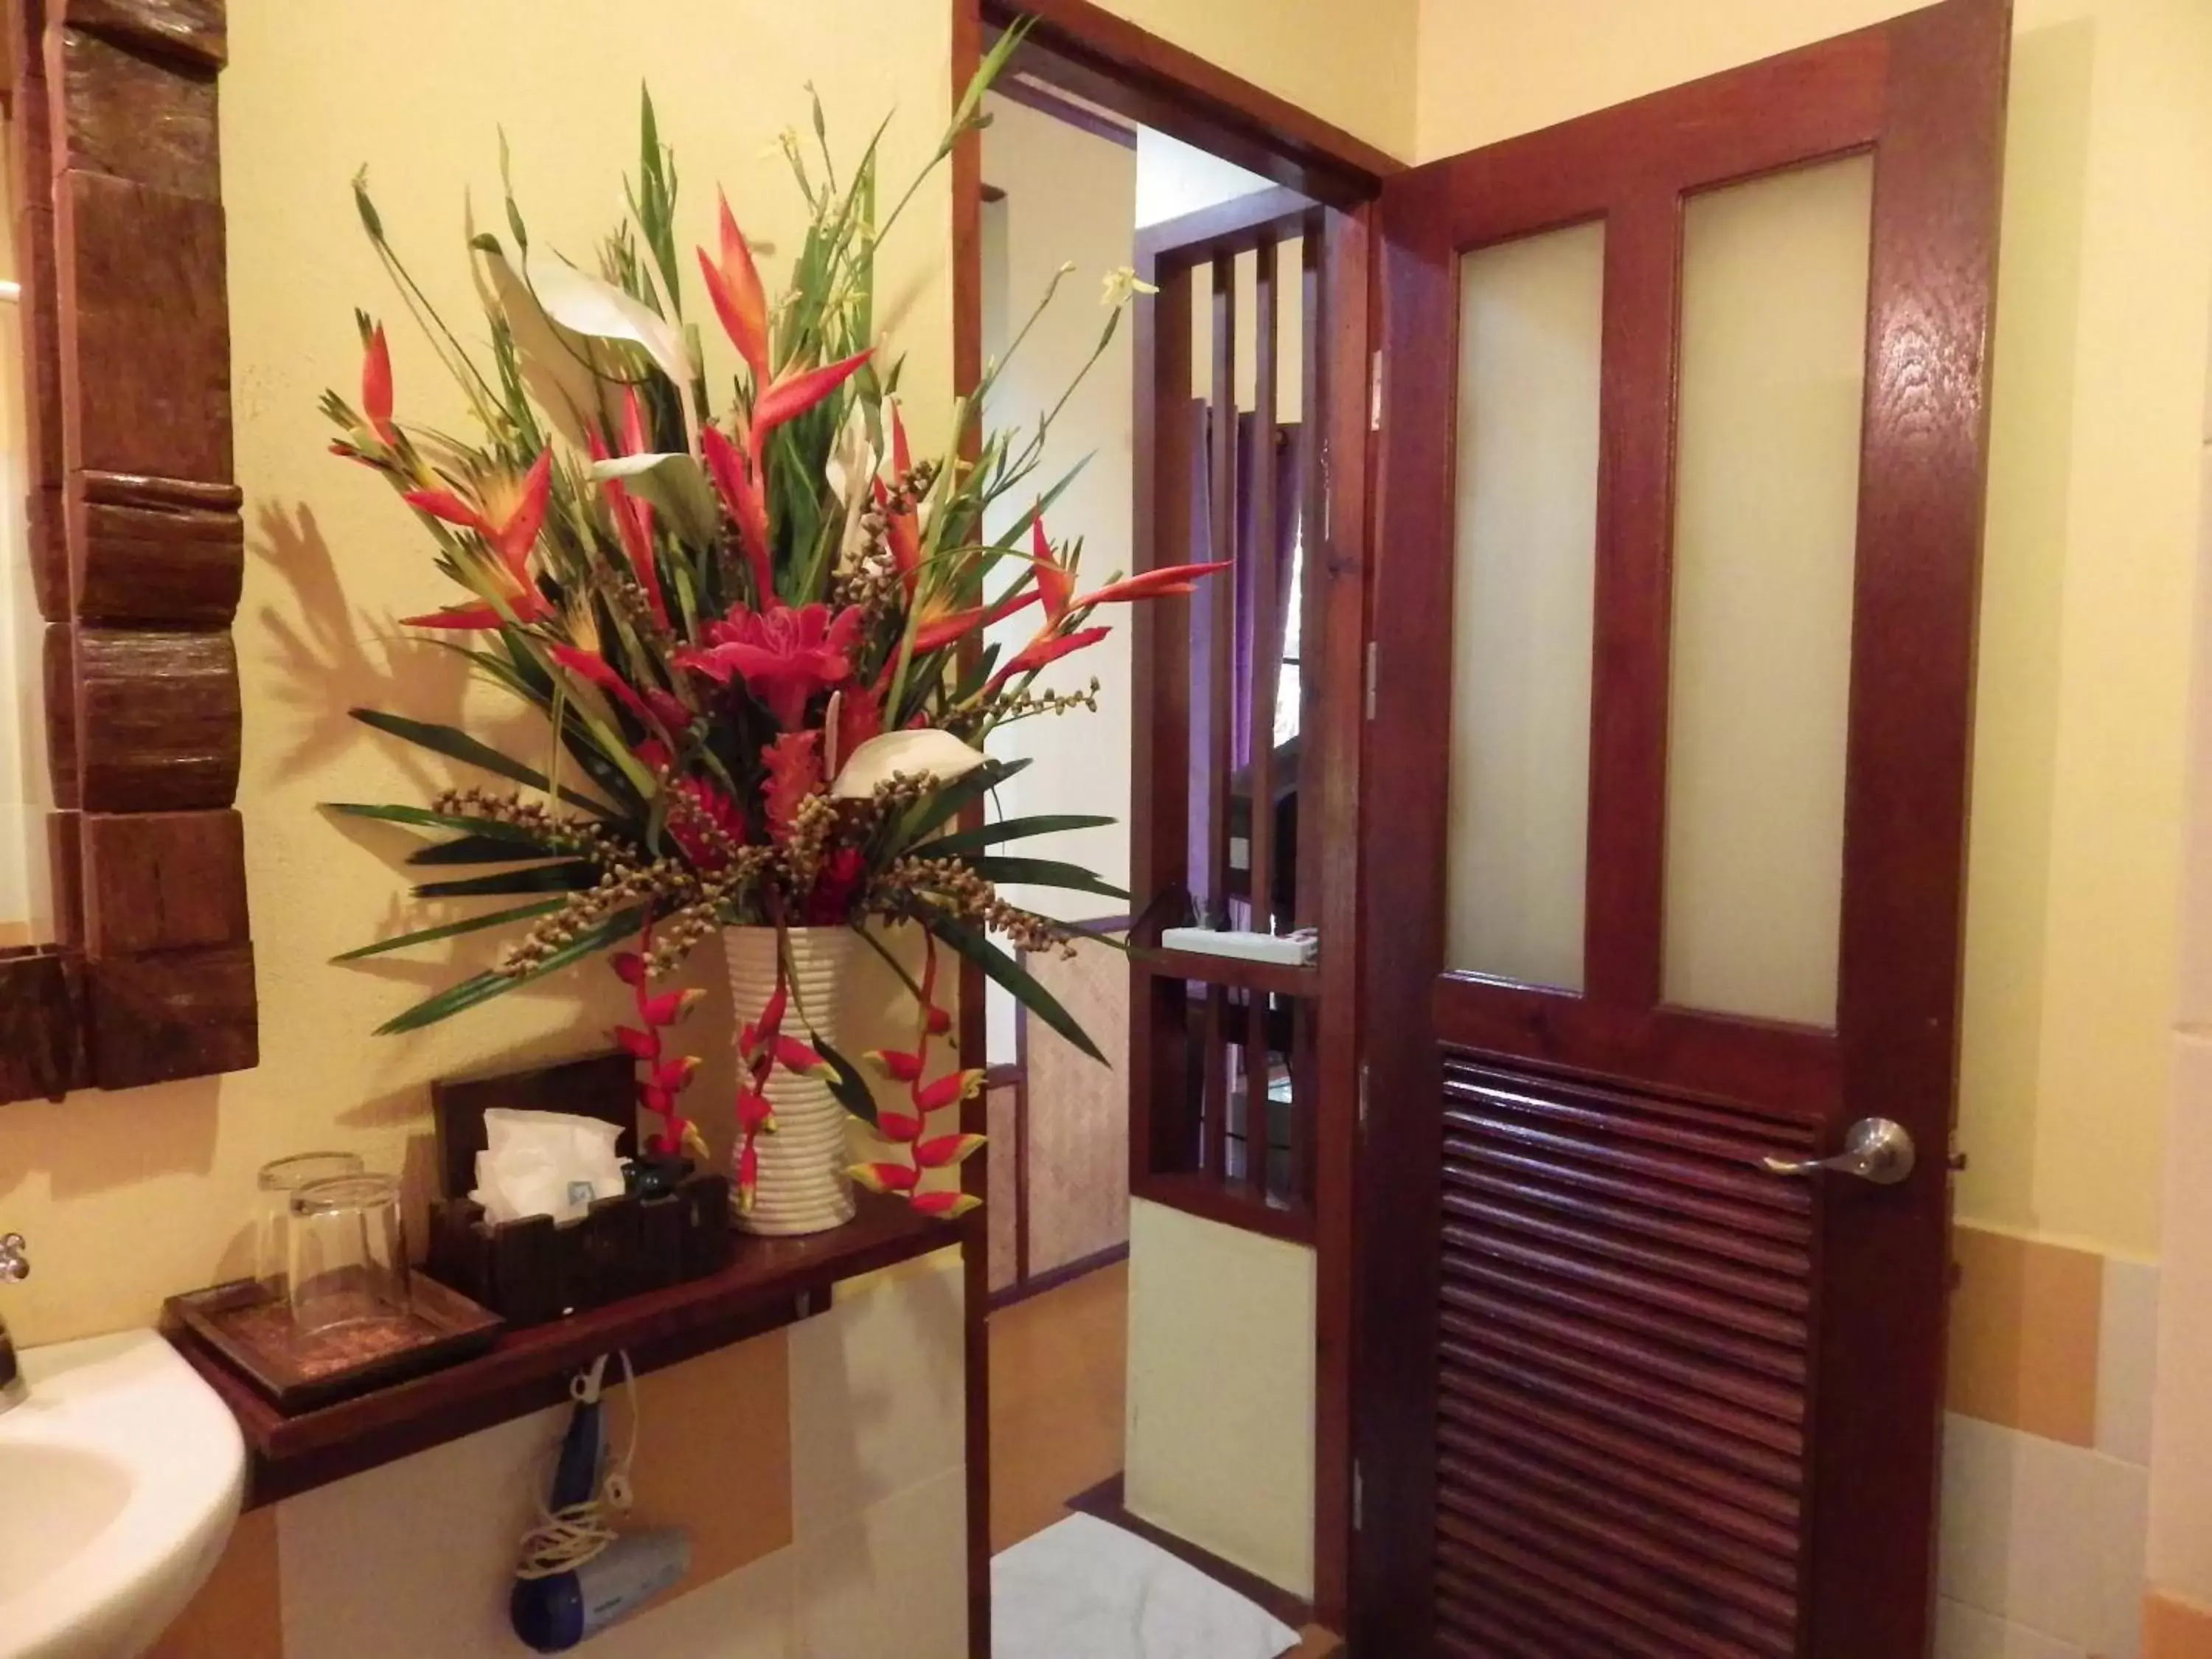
[1671, 718]
[1625, 1310]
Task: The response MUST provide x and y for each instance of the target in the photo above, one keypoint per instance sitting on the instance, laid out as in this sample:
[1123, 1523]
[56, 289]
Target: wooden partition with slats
[1230, 466]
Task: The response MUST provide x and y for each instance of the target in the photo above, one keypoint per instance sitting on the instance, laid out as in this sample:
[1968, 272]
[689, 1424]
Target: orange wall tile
[2024, 1334]
[2175, 1630]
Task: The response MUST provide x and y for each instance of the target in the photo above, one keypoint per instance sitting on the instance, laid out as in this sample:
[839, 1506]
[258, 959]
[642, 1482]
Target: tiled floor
[1058, 1367]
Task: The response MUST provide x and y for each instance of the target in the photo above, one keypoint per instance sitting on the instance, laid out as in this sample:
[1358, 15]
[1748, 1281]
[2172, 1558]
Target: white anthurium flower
[584, 305]
[927, 752]
[849, 471]
[1122, 286]
[675, 483]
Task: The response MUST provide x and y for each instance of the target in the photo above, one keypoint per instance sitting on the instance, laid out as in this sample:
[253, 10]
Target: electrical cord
[565, 1539]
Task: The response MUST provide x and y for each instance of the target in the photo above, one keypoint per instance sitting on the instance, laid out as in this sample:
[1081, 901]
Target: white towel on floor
[1084, 1589]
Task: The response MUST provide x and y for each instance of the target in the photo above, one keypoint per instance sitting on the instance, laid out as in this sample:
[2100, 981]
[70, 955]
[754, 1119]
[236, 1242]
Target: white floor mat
[1084, 1589]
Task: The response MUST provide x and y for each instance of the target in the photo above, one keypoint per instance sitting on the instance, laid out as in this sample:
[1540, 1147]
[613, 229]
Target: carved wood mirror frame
[137, 549]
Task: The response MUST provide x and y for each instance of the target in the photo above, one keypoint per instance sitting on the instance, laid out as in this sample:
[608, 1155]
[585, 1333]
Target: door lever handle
[1877, 1149]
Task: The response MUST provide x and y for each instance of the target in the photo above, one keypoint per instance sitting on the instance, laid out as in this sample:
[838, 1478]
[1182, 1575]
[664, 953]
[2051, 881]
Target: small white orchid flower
[928, 752]
[1122, 286]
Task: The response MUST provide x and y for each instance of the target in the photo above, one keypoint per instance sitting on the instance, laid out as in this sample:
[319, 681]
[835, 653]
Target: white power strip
[1290, 950]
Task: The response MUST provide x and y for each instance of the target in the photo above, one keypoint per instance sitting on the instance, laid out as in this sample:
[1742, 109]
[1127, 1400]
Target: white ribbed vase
[803, 1187]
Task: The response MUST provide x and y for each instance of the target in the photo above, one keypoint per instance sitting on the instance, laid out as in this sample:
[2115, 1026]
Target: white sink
[120, 1477]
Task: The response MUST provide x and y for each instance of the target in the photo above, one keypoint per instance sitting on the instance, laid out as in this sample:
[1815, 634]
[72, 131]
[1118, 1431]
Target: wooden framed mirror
[138, 967]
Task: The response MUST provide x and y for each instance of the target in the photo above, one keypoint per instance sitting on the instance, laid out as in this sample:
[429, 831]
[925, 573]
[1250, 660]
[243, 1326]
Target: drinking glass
[272, 1223]
[348, 1257]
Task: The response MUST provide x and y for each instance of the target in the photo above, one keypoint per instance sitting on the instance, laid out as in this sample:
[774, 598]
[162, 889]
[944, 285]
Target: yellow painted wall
[1352, 64]
[2100, 347]
[1071, 199]
[128, 1197]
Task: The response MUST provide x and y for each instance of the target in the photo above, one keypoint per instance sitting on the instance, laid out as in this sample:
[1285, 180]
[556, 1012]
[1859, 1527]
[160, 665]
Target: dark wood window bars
[1223, 1050]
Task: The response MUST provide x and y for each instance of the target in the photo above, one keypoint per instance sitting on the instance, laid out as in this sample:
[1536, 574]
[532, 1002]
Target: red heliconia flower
[666, 1077]
[738, 486]
[794, 394]
[784, 656]
[944, 1205]
[1046, 649]
[835, 886]
[886, 1177]
[940, 628]
[902, 535]
[633, 514]
[795, 772]
[945, 1150]
[591, 665]
[733, 283]
[376, 386]
[509, 519]
[1056, 582]
[908, 1128]
[860, 716]
[710, 801]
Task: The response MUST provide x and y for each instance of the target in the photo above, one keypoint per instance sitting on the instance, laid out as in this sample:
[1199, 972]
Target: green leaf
[675, 484]
[850, 1088]
[422, 818]
[452, 929]
[571, 877]
[482, 988]
[1044, 873]
[1044, 824]
[483, 849]
[946, 802]
[456, 744]
[973, 944]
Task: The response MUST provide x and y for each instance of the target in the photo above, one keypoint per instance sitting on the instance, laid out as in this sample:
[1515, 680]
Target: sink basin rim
[127, 1398]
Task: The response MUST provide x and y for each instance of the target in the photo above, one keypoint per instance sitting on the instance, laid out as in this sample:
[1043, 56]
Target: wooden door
[1680, 476]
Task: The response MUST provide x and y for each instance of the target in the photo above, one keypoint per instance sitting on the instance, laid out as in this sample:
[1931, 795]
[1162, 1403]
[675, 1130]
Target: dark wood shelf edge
[772, 1283]
[1195, 1193]
[1238, 973]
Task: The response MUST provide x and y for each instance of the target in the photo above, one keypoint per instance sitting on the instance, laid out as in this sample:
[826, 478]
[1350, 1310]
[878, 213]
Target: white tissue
[545, 1164]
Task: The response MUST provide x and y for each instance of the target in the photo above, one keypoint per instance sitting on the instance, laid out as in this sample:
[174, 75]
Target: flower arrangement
[752, 627]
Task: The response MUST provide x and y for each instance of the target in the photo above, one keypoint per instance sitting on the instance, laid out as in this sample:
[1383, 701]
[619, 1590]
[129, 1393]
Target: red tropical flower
[784, 656]
[733, 283]
[705, 849]
[376, 386]
[507, 518]
[633, 514]
[1046, 649]
[738, 486]
[795, 772]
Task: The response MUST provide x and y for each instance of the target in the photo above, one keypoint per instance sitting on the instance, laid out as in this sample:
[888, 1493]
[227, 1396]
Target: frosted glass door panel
[1773, 355]
[1525, 548]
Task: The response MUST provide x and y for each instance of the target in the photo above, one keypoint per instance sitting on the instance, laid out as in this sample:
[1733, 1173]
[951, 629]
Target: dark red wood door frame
[1924, 94]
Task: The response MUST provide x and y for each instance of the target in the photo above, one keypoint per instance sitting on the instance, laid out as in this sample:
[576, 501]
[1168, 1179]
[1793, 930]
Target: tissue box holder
[538, 1269]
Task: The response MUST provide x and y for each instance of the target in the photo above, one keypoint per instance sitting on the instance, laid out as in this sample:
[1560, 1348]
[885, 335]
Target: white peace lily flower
[1122, 286]
[927, 752]
[584, 305]
[848, 471]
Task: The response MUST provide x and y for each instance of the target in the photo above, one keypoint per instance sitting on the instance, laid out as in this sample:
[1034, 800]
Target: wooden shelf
[1240, 973]
[774, 1282]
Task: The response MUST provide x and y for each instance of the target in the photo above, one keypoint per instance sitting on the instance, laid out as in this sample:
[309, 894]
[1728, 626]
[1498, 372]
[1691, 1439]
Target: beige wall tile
[2174, 1629]
[2025, 1319]
[877, 1394]
[1965, 1632]
[2181, 1446]
[891, 1584]
[2127, 1359]
[1221, 1380]
[239, 1612]
[2043, 1535]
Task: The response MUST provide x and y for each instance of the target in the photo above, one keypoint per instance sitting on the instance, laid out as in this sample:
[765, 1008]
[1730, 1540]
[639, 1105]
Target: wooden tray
[251, 1331]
